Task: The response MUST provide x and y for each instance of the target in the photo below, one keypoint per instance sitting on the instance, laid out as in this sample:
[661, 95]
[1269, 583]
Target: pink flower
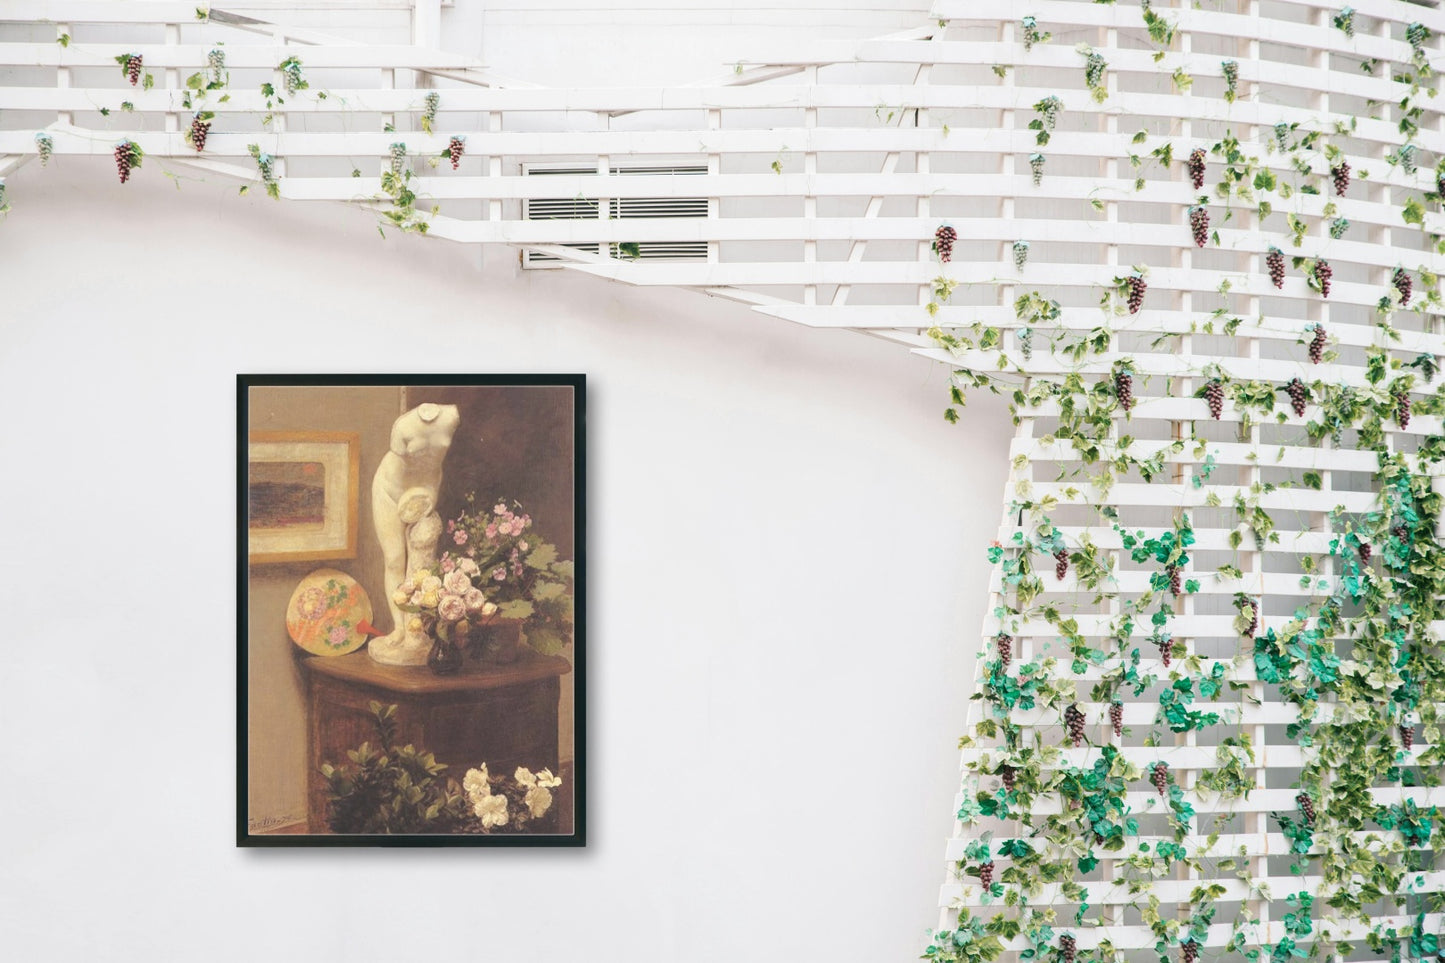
[468, 567]
[460, 536]
[500, 509]
[451, 525]
[522, 546]
[517, 569]
[451, 607]
[337, 635]
[492, 530]
[448, 563]
[472, 552]
[505, 528]
[526, 520]
[475, 599]
[456, 583]
[500, 574]
[311, 604]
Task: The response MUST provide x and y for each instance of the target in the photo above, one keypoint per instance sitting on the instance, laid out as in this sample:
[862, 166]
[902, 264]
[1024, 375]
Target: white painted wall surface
[787, 578]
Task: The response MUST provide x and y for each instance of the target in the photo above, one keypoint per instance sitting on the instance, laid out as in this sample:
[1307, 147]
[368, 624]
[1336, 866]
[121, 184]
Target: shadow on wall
[514, 442]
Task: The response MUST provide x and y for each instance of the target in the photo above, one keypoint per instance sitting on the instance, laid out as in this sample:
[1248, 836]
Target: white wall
[787, 578]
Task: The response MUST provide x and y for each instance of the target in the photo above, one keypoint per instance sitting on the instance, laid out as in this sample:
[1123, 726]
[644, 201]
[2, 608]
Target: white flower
[400, 597]
[476, 784]
[468, 567]
[546, 780]
[409, 586]
[499, 508]
[524, 777]
[475, 600]
[538, 800]
[456, 583]
[492, 810]
[489, 609]
[430, 584]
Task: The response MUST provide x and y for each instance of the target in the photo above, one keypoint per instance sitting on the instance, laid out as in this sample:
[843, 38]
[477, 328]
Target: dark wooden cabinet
[503, 715]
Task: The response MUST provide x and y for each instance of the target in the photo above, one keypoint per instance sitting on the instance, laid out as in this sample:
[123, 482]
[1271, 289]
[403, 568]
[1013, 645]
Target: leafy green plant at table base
[388, 789]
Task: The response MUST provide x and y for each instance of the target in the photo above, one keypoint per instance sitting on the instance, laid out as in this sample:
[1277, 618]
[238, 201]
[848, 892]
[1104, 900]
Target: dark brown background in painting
[515, 442]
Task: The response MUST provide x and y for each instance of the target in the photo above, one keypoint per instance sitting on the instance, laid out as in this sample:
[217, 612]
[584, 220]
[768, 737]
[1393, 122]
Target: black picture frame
[485, 708]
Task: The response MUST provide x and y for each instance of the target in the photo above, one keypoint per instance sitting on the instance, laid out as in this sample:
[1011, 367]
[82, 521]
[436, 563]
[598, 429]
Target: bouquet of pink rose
[518, 572]
[446, 601]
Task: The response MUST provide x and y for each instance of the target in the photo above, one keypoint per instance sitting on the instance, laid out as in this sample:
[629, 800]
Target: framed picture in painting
[301, 495]
[411, 645]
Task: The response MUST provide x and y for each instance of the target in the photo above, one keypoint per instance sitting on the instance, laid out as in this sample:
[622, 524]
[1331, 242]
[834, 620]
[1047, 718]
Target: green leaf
[1413, 212]
[516, 609]
[542, 556]
[547, 641]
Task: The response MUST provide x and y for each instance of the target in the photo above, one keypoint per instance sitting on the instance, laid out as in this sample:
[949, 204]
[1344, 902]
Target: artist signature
[262, 823]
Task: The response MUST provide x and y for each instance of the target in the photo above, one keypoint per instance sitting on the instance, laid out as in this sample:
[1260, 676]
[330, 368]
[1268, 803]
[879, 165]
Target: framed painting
[301, 495]
[424, 685]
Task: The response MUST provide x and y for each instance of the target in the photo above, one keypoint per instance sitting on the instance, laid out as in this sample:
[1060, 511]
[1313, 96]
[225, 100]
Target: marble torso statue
[403, 507]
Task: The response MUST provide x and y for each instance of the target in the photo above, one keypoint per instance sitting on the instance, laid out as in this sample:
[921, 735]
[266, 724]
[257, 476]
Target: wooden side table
[503, 715]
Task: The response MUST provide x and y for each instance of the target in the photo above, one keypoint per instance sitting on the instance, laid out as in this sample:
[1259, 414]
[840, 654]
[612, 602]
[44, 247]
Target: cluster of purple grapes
[1403, 284]
[1061, 564]
[1323, 272]
[985, 873]
[1196, 167]
[1402, 408]
[199, 130]
[133, 65]
[1199, 224]
[1124, 388]
[1340, 174]
[1166, 651]
[1176, 580]
[1253, 617]
[1159, 776]
[1214, 394]
[1005, 644]
[943, 239]
[1067, 948]
[1366, 552]
[124, 159]
[1317, 345]
[1188, 951]
[1074, 719]
[1306, 806]
[1299, 395]
[1116, 718]
[1137, 287]
[1274, 260]
[1407, 737]
[454, 151]
[1009, 777]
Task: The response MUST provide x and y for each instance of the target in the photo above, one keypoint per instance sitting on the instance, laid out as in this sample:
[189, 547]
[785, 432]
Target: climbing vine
[1059, 752]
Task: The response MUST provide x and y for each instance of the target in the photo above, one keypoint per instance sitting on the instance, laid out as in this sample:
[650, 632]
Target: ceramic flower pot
[499, 642]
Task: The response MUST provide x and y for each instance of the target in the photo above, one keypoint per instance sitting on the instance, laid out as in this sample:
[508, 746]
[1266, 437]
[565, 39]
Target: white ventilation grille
[620, 209]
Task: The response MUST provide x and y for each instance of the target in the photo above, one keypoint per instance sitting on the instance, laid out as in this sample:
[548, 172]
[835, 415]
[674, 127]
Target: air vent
[621, 209]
